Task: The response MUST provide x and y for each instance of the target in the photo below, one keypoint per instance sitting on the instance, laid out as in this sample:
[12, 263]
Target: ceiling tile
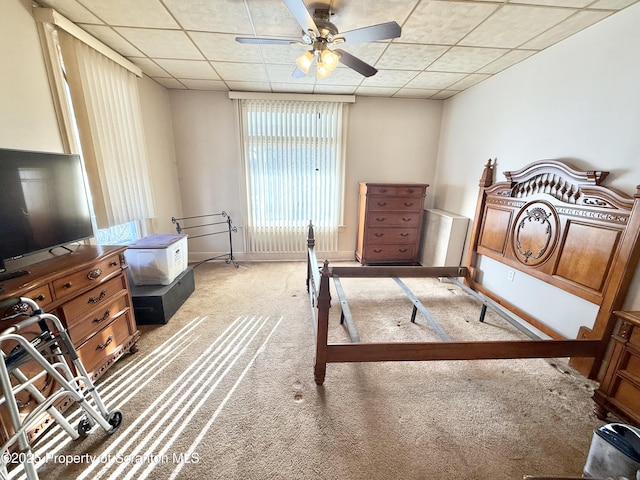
[240, 72]
[273, 18]
[415, 93]
[571, 25]
[469, 81]
[223, 47]
[292, 87]
[353, 14]
[466, 59]
[188, 68]
[444, 22]
[558, 3]
[193, 84]
[376, 91]
[141, 13]
[613, 4]
[334, 89]
[443, 95]
[72, 10]
[390, 78]
[170, 83]
[109, 36]
[401, 56]
[249, 86]
[161, 43]
[435, 80]
[513, 25]
[511, 58]
[228, 16]
[367, 52]
[282, 74]
[149, 67]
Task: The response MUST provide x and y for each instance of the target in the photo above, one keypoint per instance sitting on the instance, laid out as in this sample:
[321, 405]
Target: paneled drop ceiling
[445, 46]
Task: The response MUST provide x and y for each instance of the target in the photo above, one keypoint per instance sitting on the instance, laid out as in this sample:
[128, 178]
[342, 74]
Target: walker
[51, 349]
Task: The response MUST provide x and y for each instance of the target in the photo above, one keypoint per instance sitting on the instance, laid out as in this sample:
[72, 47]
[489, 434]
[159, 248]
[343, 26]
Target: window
[294, 170]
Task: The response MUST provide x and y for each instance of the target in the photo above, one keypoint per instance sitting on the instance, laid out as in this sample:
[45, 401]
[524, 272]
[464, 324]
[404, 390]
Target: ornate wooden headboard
[560, 225]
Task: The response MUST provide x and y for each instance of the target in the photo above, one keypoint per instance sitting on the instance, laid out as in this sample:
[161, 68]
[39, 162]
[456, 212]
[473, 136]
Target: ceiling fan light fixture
[329, 59]
[323, 71]
[304, 61]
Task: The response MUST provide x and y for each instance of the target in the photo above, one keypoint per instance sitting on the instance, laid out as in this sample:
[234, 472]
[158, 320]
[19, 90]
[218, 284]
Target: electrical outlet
[510, 275]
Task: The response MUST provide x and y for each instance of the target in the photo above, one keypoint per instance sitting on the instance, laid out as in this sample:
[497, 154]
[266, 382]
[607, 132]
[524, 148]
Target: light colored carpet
[225, 390]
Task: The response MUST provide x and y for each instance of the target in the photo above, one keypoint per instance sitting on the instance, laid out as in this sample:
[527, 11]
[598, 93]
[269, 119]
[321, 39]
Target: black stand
[205, 230]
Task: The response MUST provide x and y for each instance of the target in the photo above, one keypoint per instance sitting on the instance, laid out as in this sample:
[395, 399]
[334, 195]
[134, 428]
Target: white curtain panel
[293, 167]
[107, 109]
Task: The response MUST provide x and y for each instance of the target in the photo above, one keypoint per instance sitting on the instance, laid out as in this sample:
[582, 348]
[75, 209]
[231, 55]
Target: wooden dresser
[89, 291]
[619, 391]
[390, 223]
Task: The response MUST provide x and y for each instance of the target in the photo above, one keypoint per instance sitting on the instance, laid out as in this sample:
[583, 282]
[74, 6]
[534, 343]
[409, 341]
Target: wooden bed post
[324, 304]
[485, 181]
[311, 242]
[623, 269]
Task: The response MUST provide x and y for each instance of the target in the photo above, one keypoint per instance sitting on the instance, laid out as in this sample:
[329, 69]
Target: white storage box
[157, 259]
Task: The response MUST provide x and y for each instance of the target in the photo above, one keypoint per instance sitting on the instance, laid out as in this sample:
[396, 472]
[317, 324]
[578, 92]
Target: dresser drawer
[385, 253]
[380, 235]
[41, 294]
[83, 327]
[86, 277]
[389, 204]
[93, 298]
[99, 347]
[393, 219]
[390, 190]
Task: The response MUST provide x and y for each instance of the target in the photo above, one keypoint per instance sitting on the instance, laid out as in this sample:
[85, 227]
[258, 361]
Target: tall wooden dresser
[390, 223]
[619, 391]
[89, 291]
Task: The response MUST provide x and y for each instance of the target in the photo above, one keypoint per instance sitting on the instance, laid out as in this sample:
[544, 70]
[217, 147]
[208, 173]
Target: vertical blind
[293, 167]
[107, 109]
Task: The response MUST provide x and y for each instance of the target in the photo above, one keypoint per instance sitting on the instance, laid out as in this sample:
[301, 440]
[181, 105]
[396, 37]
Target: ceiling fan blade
[297, 73]
[356, 64]
[382, 31]
[299, 11]
[265, 41]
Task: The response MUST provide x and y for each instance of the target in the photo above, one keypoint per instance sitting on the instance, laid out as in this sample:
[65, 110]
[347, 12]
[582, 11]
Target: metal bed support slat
[487, 302]
[417, 305]
[345, 316]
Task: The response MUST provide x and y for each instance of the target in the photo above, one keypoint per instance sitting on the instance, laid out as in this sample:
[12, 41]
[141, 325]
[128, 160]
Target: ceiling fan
[322, 36]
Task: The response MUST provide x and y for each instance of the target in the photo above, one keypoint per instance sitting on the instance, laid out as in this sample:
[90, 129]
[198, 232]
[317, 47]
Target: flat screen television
[43, 203]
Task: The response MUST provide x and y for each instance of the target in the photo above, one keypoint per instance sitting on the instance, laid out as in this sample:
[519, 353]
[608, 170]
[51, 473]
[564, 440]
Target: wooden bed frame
[548, 220]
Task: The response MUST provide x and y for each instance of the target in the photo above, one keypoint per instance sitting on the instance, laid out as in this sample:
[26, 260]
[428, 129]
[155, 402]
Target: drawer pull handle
[408, 204]
[93, 274]
[105, 344]
[383, 190]
[402, 250]
[40, 297]
[382, 204]
[104, 317]
[410, 190]
[113, 264]
[380, 219]
[68, 285]
[377, 250]
[405, 219]
[103, 293]
[404, 234]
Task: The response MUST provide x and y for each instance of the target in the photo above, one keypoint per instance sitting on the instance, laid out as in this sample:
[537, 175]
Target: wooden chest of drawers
[389, 223]
[89, 291]
[619, 391]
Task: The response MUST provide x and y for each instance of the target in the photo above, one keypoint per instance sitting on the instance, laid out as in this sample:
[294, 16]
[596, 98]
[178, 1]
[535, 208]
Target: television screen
[43, 202]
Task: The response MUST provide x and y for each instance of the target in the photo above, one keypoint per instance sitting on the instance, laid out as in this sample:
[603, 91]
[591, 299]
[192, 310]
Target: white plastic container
[157, 259]
[614, 452]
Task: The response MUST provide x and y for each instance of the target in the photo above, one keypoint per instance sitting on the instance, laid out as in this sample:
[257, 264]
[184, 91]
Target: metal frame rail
[204, 232]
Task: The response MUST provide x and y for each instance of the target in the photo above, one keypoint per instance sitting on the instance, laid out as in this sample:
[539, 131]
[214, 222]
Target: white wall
[392, 140]
[578, 100]
[27, 116]
[163, 171]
